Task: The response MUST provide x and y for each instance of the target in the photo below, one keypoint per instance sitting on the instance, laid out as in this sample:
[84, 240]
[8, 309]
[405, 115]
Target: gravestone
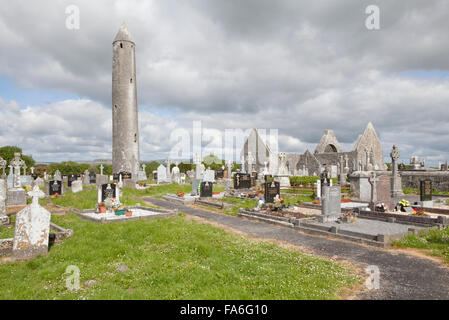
[209, 176]
[161, 174]
[196, 183]
[25, 180]
[124, 176]
[206, 190]
[92, 178]
[10, 178]
[108, 191]
[4, 219]
[71, 178]
[32, 230]
[242, 181]
[425, 190]
[219, 174]
[77, 186]
[39, 182]
[383, 190]
[57, 176]
[331, 204]
[272, 189]
[54, 187]
[86, 178]
[100, 180]
[155, 175]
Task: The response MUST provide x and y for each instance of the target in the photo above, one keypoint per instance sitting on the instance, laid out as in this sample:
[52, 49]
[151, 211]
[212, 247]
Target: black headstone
[242, 181]
[125, 176]
[34, 176]
[92, 178]
[108, 191]
[55, 187]
[154, 175]
[71, 178]
[425, 190]
[272, 189]
[206, 189]
[219, 174]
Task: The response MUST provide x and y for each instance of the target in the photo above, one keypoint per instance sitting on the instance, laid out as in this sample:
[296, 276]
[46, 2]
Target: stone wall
[411, 179]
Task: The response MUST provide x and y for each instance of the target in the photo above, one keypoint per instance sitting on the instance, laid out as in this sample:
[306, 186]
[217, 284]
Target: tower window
[135, 138]
[121, 45]
[131, 80]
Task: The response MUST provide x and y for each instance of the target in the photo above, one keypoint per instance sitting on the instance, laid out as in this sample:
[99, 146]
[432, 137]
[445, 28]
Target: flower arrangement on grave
[180, 194]
[404, 203]
[418, 213]
[381, 207]
[55, 196]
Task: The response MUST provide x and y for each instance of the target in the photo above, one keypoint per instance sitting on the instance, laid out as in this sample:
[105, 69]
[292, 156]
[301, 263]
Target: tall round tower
[125, 125]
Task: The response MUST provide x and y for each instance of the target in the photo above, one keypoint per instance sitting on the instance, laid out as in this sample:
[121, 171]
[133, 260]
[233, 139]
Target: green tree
[7, 153]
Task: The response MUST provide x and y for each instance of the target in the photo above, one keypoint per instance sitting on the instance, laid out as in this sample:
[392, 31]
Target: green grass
[171, 259]
[7, 232]
[434, 242]
[252, 203]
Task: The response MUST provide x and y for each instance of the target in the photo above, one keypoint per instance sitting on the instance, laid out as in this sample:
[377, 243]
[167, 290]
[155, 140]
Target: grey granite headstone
[57, 176]
[101, 180]
[161, 174]
[331, 204]
[25, 180]
[16, 197]
[77, 186]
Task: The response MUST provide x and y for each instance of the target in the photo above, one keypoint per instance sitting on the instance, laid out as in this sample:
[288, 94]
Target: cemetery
[172, 229]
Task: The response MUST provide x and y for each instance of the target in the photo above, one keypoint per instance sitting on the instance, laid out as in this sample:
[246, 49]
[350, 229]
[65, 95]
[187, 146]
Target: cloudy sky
[297, 66]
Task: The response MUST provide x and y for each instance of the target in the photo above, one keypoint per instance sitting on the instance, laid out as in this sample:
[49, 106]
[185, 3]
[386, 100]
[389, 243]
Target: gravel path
[402, 276]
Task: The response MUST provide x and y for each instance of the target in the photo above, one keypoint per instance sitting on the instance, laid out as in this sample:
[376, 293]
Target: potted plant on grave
[102, 207]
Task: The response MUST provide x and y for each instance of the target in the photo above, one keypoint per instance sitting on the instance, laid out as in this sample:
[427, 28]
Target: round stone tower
[125, 125]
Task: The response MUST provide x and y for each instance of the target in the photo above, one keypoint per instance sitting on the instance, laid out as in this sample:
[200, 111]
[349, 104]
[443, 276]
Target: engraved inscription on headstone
[108, 191]
[206, 189]
[242, 181]
[426, 190]
[55, 188]
[272, 189]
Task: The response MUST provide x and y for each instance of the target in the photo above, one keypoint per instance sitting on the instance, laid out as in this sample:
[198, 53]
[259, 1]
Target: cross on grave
[36, 194]
[101, 169]
[372, 181]
[3, 165]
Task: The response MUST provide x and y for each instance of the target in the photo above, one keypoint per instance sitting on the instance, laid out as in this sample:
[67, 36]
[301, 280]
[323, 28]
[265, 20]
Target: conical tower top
[123, 34]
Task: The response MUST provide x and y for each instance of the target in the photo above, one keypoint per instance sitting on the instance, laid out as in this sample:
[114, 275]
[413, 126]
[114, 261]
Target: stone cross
[3, 166]
[101, 169]
[242, 160]
[36, 194]
[230, 165]
[144, 167]
[396, 189]
[17, 162]
[373, 181]
[32, 170]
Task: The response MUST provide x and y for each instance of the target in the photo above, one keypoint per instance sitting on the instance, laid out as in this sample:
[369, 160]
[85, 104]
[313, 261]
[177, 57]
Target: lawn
[172, 258]
[433, 242]
[87, 199]
[252, 203]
